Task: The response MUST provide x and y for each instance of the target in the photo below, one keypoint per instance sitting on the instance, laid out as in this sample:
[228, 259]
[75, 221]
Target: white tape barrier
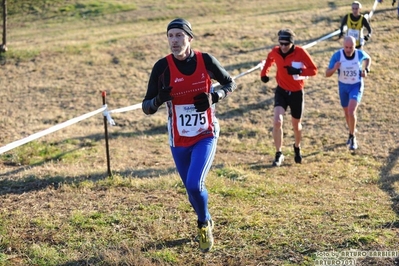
[368, 16]
[40, 134]
[328, 36]
[125, 109]
[120, 110]
[260, 65]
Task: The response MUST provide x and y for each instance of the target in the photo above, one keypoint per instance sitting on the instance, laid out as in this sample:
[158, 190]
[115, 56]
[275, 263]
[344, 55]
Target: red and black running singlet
[186, 125]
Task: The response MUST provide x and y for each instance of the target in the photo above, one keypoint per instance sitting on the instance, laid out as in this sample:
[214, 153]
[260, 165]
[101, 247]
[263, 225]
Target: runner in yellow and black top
[356, 22]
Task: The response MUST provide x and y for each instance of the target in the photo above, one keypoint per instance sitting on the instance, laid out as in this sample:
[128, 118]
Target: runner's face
[349, 48]
[285, 46]
[355, 10]
[179, 43]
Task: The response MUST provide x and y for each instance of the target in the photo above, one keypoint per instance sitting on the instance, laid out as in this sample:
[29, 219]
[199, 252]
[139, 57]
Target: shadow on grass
[289, 161]
[36, 183]
[85, 262]
[148, 247]
[165, 244]
[23, 168]
[158, 130]
[387, 183]
[145, 173]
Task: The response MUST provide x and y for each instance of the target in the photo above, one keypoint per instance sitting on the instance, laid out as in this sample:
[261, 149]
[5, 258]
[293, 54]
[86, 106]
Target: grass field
[59, 206]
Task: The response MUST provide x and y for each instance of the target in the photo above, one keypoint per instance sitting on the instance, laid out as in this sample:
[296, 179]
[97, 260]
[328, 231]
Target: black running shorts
[295, 100]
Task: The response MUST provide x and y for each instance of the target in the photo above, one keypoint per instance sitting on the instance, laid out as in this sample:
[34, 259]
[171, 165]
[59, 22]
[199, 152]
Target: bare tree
[3, 46]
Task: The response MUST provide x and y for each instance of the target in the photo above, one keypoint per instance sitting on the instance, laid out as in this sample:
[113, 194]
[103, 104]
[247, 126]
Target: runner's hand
[163, 95]
[204, 100]
[264, 79]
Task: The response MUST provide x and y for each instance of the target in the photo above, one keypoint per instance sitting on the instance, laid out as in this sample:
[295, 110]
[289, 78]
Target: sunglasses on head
[284, 43]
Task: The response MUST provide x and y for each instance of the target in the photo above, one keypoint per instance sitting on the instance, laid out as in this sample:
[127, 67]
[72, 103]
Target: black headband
[180, 23]
[285, 36]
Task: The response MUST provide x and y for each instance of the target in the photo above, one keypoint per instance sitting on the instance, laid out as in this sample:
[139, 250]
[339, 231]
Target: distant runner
[356, 22]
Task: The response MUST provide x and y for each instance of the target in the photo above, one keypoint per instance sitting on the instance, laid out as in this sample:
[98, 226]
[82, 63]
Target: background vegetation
[59, 207]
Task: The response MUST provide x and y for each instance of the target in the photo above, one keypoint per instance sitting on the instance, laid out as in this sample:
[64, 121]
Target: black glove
[293, 71]
[204, 100]
[163, 95]
[367, 38]
[264, 79]
[340, 35]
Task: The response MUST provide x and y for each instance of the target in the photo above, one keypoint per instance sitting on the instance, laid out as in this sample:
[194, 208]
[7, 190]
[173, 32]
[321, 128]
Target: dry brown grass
[58, 207]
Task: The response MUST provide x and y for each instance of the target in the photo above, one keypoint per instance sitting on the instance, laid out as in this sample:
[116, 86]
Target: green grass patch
[44, 254]
[20, 55]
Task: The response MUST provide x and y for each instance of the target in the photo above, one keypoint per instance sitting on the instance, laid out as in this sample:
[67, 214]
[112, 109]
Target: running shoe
[353, 144]
[279, 159]
[205, 235]
[298, 156]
